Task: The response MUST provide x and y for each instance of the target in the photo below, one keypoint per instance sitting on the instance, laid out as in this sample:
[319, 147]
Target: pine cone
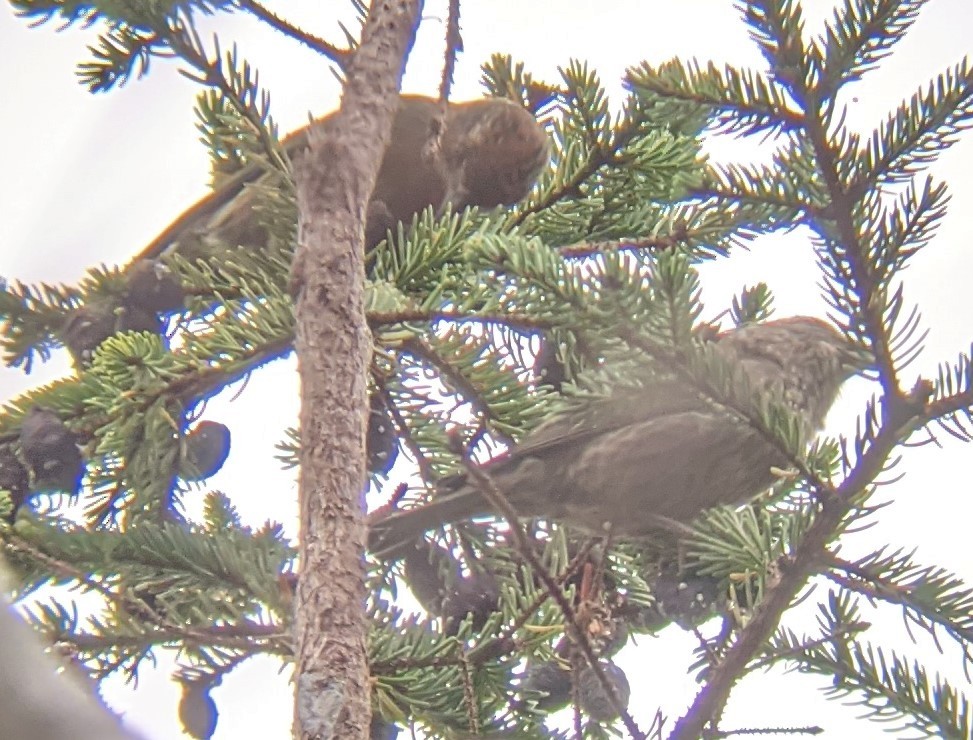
[51, 452]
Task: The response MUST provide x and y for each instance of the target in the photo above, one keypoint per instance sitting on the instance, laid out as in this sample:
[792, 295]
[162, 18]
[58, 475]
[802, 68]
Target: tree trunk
[334, 182]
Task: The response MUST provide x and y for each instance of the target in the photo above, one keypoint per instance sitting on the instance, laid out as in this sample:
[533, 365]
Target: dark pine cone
[51, 452]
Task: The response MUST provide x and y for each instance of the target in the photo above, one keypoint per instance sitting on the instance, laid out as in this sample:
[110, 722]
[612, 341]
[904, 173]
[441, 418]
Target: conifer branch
[315, 43]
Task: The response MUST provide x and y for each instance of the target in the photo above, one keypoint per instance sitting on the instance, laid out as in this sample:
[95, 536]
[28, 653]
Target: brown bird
[645, 457]
[490, 154]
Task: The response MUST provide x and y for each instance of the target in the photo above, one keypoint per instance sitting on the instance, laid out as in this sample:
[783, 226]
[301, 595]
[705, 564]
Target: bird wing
[668, 467]
[625, 407]
[224, 193]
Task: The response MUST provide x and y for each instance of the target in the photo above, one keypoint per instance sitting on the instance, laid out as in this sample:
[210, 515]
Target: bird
[490, 154]
[641, 458]
[492, 151]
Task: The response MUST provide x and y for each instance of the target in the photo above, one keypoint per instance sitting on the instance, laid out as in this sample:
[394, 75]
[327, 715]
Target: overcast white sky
[90, 179]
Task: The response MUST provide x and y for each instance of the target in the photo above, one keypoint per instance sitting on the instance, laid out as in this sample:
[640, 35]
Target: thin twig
[875, 587]
[423, 351]
[836, 503]
[332, 52]
[809, 730]
[524, 546]
[164, 630]
[642, 244]
[469, 693]
[454, 45]
[401, 316]
[797, 651]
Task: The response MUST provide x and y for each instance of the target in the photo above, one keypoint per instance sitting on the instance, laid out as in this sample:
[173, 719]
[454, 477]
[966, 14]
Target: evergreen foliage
[599, 263]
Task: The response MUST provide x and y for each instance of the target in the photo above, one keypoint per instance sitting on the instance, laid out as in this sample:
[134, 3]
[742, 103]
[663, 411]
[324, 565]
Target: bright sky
[91, 179]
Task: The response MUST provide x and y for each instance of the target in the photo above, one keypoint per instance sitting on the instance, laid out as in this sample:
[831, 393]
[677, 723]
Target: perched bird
[645, 457]
[490, 154]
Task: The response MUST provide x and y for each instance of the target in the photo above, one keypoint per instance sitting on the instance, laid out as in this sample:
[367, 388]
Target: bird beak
[857, 359]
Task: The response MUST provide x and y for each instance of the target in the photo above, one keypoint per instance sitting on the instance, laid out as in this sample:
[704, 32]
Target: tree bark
[334, 183]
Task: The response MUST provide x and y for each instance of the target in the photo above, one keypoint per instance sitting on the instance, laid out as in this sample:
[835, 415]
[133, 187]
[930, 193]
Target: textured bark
[333, 347]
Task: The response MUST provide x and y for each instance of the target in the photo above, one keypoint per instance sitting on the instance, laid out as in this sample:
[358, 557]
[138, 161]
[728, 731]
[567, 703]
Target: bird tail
[391, 536]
